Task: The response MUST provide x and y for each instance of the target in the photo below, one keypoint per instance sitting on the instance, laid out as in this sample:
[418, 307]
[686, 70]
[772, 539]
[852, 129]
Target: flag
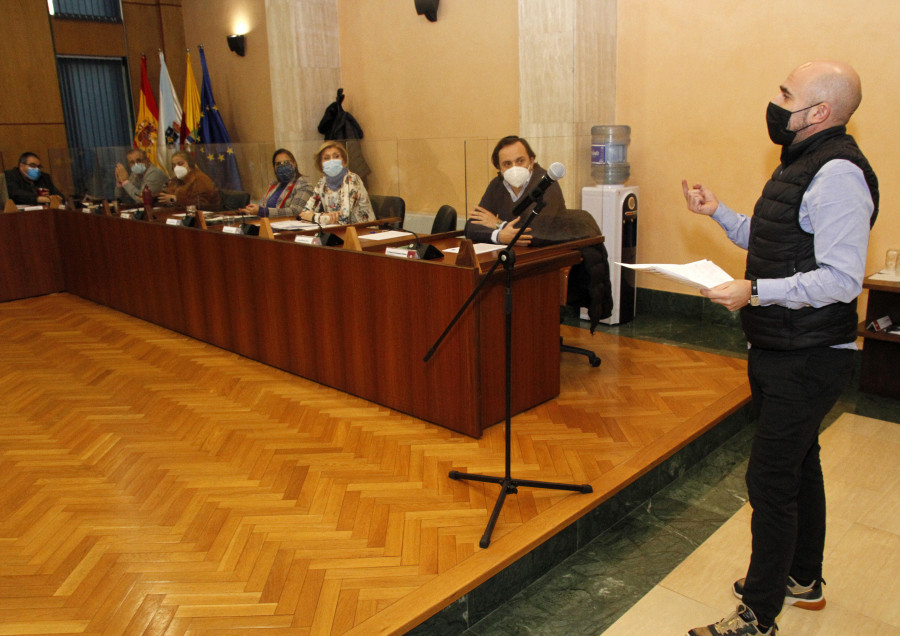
[216, 148]
[147, 118]
[190, 123]
[169, 112]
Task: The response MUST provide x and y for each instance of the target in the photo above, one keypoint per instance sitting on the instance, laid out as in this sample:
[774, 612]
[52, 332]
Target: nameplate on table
[173, 221]
[402, 252]
[307, 240]
[125, 215]
[232, 229]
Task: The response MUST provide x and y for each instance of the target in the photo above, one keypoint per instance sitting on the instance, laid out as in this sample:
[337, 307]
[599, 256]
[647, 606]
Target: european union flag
[215, 153]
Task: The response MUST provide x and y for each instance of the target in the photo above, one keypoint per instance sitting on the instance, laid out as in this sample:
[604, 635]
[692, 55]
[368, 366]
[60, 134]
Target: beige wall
[694, 77]
[240, 84]
[437, 83]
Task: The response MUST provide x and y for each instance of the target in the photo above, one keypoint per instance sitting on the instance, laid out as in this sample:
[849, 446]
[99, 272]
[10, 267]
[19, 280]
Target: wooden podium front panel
[535, 344]
[355, 321]
[29, 255]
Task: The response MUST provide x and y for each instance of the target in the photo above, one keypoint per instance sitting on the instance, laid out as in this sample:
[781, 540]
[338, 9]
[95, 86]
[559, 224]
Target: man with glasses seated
[130, 183]
[28, 184]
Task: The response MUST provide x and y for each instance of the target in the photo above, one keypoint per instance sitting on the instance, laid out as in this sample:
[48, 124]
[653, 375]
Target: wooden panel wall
[33, 120]
[31, 117]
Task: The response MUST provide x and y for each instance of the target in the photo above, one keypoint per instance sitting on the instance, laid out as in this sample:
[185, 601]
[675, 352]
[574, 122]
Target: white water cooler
[615, 208]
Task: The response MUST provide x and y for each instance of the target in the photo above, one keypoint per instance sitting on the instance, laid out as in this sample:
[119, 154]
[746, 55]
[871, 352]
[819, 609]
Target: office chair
[444, 220]
[574, 224]
[233, 199]
[593, 359]
[387, 207]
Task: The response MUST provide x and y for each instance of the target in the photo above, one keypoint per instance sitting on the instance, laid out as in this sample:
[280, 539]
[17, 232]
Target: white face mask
[180, 171]
[517, 176]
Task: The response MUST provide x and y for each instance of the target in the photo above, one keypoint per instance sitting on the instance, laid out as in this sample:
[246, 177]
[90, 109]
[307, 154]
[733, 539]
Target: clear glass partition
[425, 173]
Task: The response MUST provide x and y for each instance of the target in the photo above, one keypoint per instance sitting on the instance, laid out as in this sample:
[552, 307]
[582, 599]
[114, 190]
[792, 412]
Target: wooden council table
[358, 321]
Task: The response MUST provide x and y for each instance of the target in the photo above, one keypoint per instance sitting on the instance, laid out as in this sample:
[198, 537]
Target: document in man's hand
[700, 274]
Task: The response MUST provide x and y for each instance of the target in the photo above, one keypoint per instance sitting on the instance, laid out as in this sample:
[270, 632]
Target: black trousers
[792, 392]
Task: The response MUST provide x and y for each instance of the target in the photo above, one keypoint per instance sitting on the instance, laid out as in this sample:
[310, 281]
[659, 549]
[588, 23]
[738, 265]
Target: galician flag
[147, 117]
[169, 113]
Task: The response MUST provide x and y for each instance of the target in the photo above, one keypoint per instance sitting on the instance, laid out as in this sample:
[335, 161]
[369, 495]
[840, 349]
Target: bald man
[806, 253]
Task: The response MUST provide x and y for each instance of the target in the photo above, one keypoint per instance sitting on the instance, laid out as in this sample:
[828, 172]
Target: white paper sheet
[386, 236]
[480, 248]
[700, 274]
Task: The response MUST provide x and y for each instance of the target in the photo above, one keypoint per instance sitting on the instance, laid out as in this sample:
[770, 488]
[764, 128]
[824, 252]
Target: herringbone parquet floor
[153, 484]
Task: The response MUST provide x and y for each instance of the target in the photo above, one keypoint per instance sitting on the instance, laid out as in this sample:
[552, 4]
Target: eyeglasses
[33, 165]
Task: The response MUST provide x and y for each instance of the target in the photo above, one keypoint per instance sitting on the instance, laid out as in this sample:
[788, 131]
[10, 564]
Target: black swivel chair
[233, 199]
[444, 220]
[388, 206]
[573, 224]
[593, 359]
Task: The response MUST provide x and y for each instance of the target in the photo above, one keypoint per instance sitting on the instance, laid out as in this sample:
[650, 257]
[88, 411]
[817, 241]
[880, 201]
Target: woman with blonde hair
[340, 196]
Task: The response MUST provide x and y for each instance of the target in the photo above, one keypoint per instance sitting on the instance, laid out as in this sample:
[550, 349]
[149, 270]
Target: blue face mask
[34, 173]
[284, 172]
[332, 167]
[139, 168]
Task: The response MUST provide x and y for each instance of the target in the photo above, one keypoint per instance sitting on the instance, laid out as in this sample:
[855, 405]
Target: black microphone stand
[508, 485]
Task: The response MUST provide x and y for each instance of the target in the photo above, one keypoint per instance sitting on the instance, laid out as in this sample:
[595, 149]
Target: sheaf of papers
[480, 248]
[700, 274]
[886, 275]
[385, 236]
[292, 225]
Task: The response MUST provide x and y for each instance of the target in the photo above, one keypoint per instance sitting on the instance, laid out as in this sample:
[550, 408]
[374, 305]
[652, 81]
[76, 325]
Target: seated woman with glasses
[28, 184]
[189, 186]
[288, 194]
[340, 196]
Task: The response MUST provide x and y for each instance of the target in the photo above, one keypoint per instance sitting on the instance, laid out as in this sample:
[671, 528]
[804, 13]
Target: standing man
[130, 187]
[491, 221]
[28, 184]
[806, 253]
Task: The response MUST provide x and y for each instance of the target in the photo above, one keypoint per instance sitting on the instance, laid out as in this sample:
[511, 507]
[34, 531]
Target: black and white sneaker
[741, 623]
[808, 597]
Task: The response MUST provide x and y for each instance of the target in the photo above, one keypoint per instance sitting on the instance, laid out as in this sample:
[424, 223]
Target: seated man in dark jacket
[517, 174]
[28, 184]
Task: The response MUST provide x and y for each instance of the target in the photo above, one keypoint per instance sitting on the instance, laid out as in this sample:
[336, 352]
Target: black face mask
[777, 119]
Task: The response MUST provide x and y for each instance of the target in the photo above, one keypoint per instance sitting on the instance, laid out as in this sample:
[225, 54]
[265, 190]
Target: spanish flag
[147, 117]
[190, 123]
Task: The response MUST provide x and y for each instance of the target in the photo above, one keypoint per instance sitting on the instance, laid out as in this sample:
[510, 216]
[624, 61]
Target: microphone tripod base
[508, 485]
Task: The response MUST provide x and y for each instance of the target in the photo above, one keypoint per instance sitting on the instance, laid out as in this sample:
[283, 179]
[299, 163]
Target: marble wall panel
[305, 64]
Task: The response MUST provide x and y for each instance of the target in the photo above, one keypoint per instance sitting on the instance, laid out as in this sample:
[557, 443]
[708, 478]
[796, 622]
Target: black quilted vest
[780, 248]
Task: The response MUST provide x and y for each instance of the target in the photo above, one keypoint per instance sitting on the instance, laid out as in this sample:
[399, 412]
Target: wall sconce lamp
[428, 8]
[237, 44]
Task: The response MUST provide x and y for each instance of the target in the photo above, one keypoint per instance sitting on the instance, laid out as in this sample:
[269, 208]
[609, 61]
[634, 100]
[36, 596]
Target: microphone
[556, 172]
[328, 238]
[249, 230]
[424, 252]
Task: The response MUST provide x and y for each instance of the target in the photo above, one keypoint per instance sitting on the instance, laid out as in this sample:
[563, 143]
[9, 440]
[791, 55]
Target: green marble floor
[587, 592]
